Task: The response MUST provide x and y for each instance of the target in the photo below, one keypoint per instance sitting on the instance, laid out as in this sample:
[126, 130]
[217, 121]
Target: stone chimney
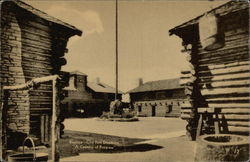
[98, 80]
[140, 81]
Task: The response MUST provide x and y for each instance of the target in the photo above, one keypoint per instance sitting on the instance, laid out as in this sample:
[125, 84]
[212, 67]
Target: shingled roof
[78, 73]
[101, 87]
[224, 9]
[43, 15]
[157, 85]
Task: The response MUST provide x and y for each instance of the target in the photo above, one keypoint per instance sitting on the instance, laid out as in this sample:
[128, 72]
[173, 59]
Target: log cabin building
[158, 98]
[86, 98]
[216, 45]
[33, 45]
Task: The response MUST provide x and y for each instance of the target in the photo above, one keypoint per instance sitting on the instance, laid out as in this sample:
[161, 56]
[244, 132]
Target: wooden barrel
[211, 35]
[222, 147]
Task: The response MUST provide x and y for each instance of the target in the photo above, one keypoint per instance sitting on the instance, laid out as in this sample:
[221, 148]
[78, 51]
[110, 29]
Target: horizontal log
[184, 72]
[227, 59]
[222, 66]
[235, 111]
[30, 38]
[186, 116]
[238, 129]
[239, 123]
[228, 83]
[219, 91]
[233, 29]
[37, 46]
[37, 51]
[35, 109]
[223, 50]
[227, 105]
[36, 25]
[186, 105]
[236, 69]
[235, 42]
[187, 76]
[238, 36]
[206, 110]
[187, 80]
[186, 111]
[33, 81]
[37, 34]
[225, 77]
[229, 98]
[223, 54]
[241, 117]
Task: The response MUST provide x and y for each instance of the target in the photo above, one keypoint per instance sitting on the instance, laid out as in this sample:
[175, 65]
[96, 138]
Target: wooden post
[53, 123]
[198, 132]
[3, 124]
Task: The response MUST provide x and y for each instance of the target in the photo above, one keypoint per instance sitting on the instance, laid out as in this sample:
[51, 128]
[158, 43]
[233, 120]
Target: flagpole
[116, 49]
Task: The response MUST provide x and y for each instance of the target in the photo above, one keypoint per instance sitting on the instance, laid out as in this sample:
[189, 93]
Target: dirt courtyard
[167, 135]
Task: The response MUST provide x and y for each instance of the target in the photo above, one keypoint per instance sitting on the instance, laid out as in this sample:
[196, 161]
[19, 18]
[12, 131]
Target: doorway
[153, 110]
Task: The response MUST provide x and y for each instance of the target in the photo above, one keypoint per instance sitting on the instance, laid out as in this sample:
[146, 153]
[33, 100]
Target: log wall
[31, 47]
[222, 77]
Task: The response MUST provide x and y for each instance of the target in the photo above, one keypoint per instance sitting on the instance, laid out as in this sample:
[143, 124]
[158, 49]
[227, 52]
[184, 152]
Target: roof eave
[176, 30]
[73, 30]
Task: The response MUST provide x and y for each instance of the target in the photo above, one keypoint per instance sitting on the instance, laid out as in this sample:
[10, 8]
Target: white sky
[145, 48]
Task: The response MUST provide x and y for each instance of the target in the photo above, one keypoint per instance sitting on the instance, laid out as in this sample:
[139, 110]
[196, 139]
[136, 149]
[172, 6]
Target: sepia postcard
[124, 80]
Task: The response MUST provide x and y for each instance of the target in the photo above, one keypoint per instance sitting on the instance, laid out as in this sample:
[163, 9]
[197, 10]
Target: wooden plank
[42, 126]
[186, 104]
[223, 50]
[228, 105]
[46, 128]
[215, 58]
[235, 111]
[206, 110]
[229, 98]
[186, 111]
[185, 116]
[239, 129]
[216, 91]
[241, 117]
[199, 127]
[242, 57]
[222, 65]
[239, 123]
[34, 109]
[238, 76]
[228, 83]
[235, 69]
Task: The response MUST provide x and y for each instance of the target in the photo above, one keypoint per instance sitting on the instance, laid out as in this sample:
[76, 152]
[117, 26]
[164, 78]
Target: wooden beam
[235, 111]
[228, 83]
[239, 129]
[229, 98]
[234, 69]
[228, 105]
[223, 65]
[239, 123]
[216, 91]
[241, 117]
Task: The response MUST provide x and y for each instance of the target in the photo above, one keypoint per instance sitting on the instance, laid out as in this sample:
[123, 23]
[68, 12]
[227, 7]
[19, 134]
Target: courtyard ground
[148, 140]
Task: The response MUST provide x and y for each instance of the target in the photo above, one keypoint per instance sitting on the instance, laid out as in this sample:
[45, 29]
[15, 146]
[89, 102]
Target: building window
[169, 108]
[139, 108]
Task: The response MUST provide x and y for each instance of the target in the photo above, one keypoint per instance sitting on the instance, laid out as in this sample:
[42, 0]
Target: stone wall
[12, 71]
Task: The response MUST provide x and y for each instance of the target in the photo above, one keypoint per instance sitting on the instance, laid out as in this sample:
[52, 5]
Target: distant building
[158, 98]
[87, 98]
